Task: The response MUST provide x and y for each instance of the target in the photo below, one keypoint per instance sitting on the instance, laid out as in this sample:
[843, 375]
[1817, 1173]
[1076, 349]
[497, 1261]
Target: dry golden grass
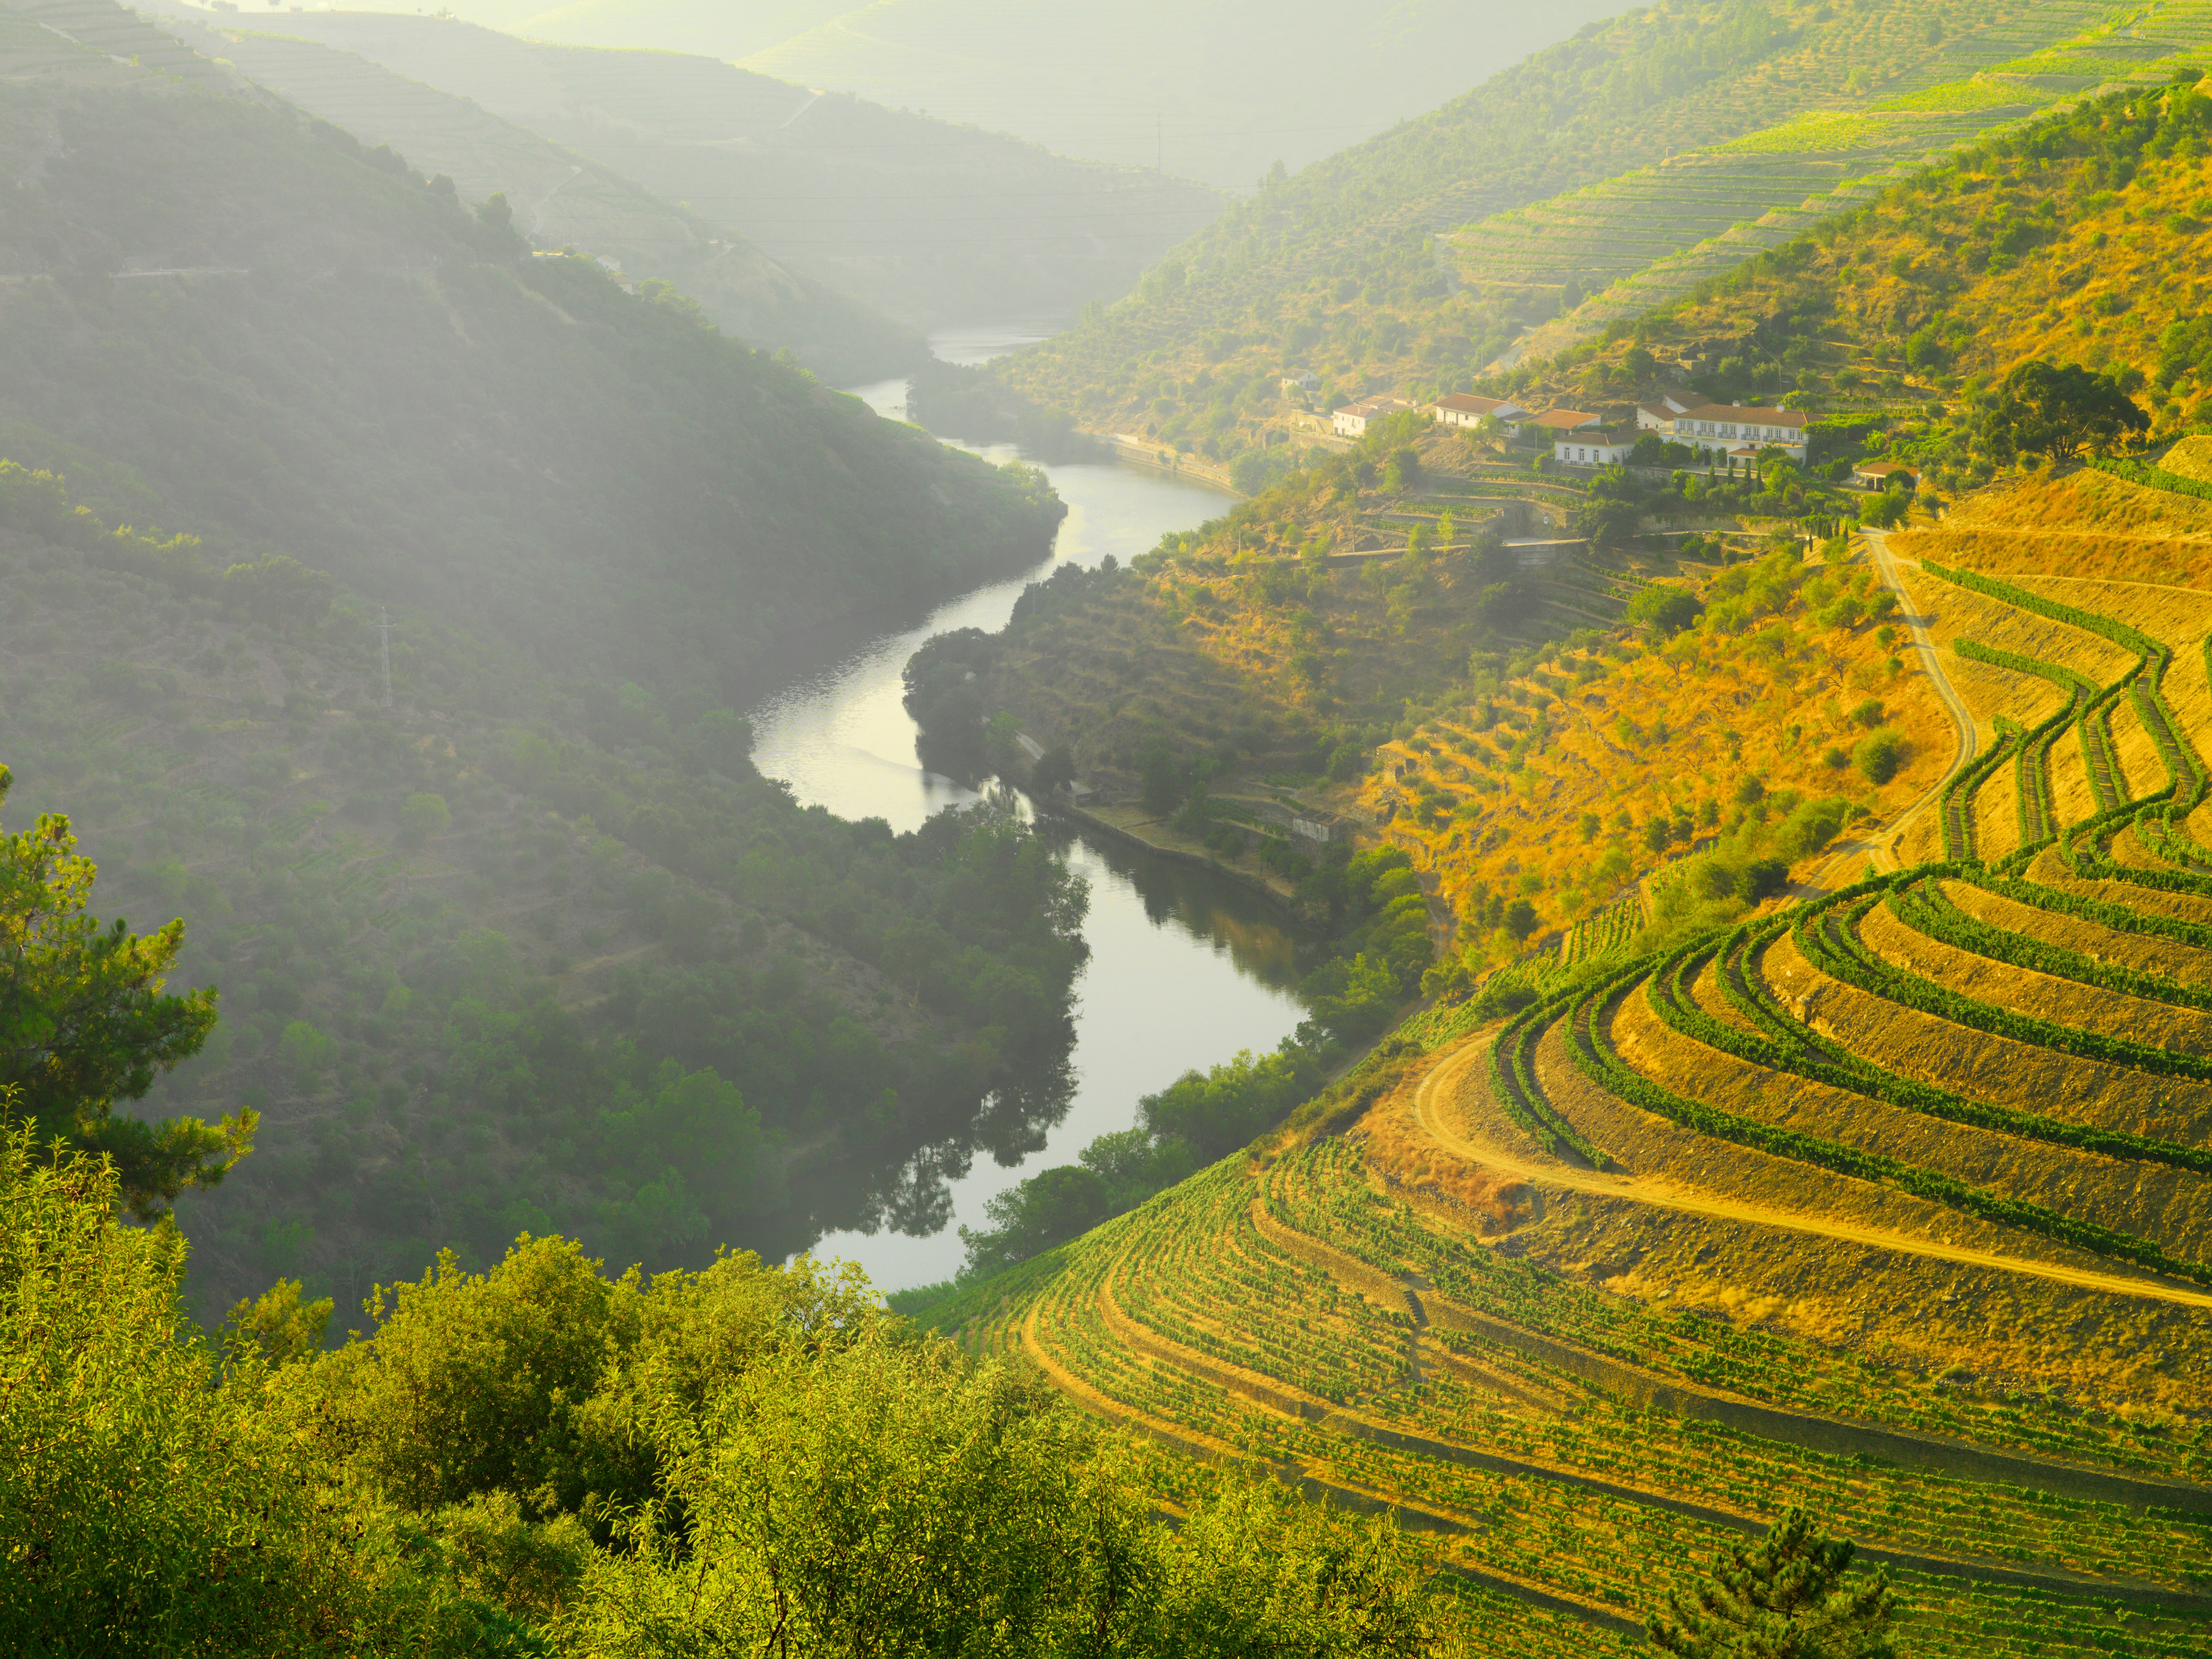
[2039, 995]
[1982, 1066]
[2147, 954]
[1698, 727]
[2192, 457]
[2172, 1206]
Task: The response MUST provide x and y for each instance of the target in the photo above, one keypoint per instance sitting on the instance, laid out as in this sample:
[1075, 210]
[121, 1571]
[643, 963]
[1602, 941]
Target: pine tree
[84, 1022]
[1782, 1598]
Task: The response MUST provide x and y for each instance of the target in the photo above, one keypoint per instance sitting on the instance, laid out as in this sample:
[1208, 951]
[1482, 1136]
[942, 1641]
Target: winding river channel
[1186, 968]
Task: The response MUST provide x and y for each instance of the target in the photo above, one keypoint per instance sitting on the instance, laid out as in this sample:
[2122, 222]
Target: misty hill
[345, 365]
[928, 222]
[1219, 91]
[1345, 271]
[564, 200]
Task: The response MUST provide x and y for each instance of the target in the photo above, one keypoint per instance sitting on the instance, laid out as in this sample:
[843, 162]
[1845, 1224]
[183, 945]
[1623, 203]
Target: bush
[1664, 609]
[1878, 754]
[423, 818]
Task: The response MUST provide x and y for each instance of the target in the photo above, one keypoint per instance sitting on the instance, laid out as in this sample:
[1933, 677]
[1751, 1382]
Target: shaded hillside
[355, 371]
[1344, 271]
[926, 221]
[563, 200]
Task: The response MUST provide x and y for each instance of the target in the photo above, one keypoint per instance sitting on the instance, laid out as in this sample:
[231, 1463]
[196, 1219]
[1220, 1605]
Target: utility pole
[384, 630]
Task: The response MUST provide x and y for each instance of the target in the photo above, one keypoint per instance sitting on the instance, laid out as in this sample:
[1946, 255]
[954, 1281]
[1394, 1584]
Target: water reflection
[1186, 968]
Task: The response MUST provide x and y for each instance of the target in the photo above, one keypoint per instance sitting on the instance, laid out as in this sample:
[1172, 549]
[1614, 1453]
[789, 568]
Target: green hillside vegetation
[2076, 239]
[366, 377]
[929, 222]
[541, 1459]
[563, 200]
[1340, 270]
[617, 981]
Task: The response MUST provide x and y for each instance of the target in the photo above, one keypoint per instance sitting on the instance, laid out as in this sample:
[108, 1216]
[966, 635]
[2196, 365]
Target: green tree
[422, 817]
[277, 1325]
[1879, 754]
[1782, 1598]
[2058, 409]
[84, 1022]
[1049, 1208]
[303, 1051]
[1666, 610]
[1054, 769]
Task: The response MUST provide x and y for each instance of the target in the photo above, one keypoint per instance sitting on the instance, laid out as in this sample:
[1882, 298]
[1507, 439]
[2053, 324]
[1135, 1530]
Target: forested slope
[564, 200]
[516, 943]
[348, 367]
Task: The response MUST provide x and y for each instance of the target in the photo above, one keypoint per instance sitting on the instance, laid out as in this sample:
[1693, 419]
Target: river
[1186, 968]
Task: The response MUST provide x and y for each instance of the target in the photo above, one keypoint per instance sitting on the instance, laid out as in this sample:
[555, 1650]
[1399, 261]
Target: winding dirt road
[1962, 717]
[1450, 1073]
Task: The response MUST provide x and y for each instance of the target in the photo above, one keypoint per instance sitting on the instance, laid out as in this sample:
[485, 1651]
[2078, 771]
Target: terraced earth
[1895, 1200]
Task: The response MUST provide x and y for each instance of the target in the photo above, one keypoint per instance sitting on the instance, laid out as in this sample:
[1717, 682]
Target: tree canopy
[85, 1022]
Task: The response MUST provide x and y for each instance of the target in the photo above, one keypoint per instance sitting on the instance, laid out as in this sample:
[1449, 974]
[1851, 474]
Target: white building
[1593, 445]
[1351, 421]
[1465, 408]
[1660, 417]
[1718, 428]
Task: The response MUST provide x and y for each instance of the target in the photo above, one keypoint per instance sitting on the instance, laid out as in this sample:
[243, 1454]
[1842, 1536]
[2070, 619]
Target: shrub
[1878, 754]
[423, 817]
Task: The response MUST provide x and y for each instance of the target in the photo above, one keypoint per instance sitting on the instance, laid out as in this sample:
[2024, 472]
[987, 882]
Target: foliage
[2057, 409]
[1785, 1595]
[84, 1022]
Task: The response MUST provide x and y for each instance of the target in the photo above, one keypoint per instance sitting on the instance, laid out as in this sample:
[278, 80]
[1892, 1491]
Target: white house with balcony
[1721, 428]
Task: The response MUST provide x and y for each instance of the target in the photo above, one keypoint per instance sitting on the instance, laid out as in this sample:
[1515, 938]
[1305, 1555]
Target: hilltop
[927, 221]
[1697, 136]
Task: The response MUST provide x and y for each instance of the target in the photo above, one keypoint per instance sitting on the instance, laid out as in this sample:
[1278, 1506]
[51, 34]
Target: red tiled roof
[1561, 420]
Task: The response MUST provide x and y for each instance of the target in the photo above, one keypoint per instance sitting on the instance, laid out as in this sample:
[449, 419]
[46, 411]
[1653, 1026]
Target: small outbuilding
[1601, 445]
[1879, 475]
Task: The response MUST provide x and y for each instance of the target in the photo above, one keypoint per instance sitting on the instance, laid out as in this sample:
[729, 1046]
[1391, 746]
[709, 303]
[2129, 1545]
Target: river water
[1186, 968]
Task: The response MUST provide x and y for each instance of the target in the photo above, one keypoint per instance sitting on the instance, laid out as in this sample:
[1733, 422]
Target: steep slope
[562, 200]
[930, 222]
[1345, 271]
[346, 365]
[1895, 1202]
[515, 938]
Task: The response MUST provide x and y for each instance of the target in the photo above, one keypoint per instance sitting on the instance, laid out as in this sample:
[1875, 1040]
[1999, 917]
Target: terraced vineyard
[1640, 240]
[1895, 1201]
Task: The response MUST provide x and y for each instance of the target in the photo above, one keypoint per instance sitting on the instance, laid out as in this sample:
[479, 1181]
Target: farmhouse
[1303, 380]
[1878, 475]
[1351, 421]
[1554, 421]
[1465, 408]
[1719, 428]
[1660, 417]
[1601, 445]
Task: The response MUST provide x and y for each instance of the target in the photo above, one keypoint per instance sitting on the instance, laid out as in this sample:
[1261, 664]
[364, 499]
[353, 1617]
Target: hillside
[1221, 90]
[2079, 238]
[283, 343]
[563, 200]
[929, 222]
[1674, 124]
[519, 940]
[1893, 1199]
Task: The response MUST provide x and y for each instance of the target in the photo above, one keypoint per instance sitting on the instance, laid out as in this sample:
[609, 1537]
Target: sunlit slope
[562, 200]
[1896, 1201]
[1346, 268]
[1640, 240]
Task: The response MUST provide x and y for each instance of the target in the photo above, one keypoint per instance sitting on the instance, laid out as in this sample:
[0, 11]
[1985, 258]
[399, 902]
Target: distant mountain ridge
[929, 222]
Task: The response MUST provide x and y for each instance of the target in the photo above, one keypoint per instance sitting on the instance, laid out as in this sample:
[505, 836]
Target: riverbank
[1133, 826]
